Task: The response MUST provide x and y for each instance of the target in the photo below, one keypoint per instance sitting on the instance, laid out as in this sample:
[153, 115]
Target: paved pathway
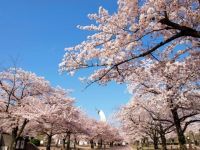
[122, 148]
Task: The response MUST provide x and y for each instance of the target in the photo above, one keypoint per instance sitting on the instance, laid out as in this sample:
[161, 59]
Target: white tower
[101, 115]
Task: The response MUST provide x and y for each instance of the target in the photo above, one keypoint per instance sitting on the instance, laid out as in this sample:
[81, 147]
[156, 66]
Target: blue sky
[37, 31]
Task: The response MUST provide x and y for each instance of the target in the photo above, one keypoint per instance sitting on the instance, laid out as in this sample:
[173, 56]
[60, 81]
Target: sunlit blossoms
[139, 29]
[16, 86]
[153, 46]
[30, 106]
[168, 93]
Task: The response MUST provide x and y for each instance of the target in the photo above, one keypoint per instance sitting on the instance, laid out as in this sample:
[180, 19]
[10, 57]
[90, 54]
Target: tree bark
[14, 138]
[16, 133]
[63, 143]
[48, 147]
[68, 140]
[75, 143]
[1, 137]
[179, 130]
[92, 144]
[155, 142]
[111, 144]
[163, 142]
[100, 144]
[9, 99]
[163, 138]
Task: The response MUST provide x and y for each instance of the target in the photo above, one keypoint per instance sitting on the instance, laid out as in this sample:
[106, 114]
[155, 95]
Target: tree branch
[187, 31]
[190, 122]
[178, 35]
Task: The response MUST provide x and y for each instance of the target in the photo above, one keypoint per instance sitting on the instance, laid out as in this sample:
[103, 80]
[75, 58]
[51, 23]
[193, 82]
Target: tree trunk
[68, 141]
[92, 144]
[1, 137]
[75, 143]
[63, 143]
[179, 131]
[9, 99]
[111, 144]
[155, 143]
[163, 142]
[48, 147]
[163, 138]
[100, 144]
[16, 133]
[14, 138]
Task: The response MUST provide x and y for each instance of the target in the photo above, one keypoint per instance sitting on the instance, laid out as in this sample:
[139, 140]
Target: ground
[87, 148]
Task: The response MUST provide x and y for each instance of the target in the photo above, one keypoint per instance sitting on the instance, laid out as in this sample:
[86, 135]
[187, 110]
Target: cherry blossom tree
[137, 32]
[103, 133]
[15, 86]
[137, 124]
[193, 132]
[48, 114]
[161, 116]
[115, 136]
[91, 136]
[176, 85]
[76, 126]
[144, 118]
[159, 34]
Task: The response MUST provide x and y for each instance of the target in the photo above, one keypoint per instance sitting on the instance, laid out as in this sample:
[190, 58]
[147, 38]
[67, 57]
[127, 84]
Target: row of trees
[166, 98]
[152, 46]
[29, 105]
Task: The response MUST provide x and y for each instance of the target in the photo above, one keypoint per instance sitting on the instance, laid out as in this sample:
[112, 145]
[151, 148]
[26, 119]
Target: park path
[122, 148]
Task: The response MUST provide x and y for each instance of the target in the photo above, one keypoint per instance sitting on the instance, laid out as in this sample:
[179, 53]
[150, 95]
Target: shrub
[36, 142]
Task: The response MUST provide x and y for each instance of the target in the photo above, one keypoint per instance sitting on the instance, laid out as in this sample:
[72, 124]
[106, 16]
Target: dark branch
[187, 31]
[190, 122]
[178, 35]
